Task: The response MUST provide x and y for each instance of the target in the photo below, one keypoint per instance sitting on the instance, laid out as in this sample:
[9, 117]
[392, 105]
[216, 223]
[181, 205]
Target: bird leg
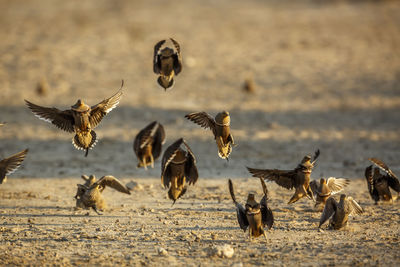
[144, 163]
[152, 160]
[95, 209]
[250, 234]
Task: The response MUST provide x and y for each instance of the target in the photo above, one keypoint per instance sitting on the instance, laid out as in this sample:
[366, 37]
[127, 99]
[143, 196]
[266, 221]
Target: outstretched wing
[62, 119]
[98, 111]
[177, 57]
[112, 182]
[337, 184]
[329, 210]
[370, 182]
[145, 136]
[168, 156]
[283, 178]
[393, 182]
[11, 164]
[382, 166]
[316, 155]
[191, 172]
[240, 211]
[203, 119]
[156, 63]
[355, 207]
[267, 216]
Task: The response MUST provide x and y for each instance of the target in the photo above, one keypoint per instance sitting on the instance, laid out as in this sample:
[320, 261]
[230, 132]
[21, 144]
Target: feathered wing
[329, 210]
[98, 111]
[145, 136]
[112, 182]
[316, 155]
[64, 120]
[168, 156]
[203, 119]
[177, 57]
[370, 182]
[356, 208]
[337, 184]
[156, 63]
[191, 172]
[314, 185]
[382, 166]
[159, 140]
[240, 211]
[11, 164]
[266, 213]
[283, 178]
[393, 182]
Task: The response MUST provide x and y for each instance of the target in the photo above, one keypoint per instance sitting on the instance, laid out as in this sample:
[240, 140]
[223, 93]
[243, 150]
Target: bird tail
[224, 150]
[85, 141]
[166, 82]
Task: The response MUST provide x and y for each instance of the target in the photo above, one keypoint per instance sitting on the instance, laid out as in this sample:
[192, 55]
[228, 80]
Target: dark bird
[148, 143]
[339, 212]
[379, 184]
[89, 194]
[220, 126]
[11, 164]
[299, 178]
[167, 62]
[178, 167]
[80, 119]
[324, 188]
[255, 215]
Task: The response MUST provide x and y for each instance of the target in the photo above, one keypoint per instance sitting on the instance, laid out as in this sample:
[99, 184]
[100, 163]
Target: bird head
[80, 107]
[306, 165]
[167, 52]
[322, 181]
[180, 157]
[223, 118]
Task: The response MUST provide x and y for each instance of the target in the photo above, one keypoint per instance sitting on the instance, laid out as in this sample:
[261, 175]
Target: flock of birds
[178, 166]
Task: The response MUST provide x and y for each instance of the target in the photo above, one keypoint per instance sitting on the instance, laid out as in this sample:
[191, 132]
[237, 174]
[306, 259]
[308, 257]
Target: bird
[255, 215]
[148, 144]
[178, 167]
[80, 119]
[2, 123]
[299, 178]
[220, 126]
[339, 211]
[324, 188]
[167, 62]
[11, 164]
[379, 184]
[89, 194]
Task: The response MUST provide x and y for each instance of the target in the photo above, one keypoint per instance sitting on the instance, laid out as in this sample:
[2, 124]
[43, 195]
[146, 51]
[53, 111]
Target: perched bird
[167, 62]
[379, 184]
[255, 215]
[80, 119]
[148, 143]
[339, 212]
[178, 167]
[220, 126]
[89, 194]
[11, 164]
[324, 188]
[299, 178]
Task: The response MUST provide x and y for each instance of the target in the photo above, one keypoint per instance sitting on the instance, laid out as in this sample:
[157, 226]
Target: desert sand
[327, 76]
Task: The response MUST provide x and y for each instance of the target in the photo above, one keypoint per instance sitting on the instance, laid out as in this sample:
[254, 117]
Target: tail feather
[165, 83]
[87, 142]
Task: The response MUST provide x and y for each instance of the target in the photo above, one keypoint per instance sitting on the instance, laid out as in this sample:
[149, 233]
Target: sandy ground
[327, 76]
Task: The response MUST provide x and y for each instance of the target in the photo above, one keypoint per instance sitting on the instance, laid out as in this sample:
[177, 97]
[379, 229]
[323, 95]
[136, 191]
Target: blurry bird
[379, 184]
[249, 86]
[42, 87]
[299, 178]
[178, 167]
[339, 212]
[255, 215]
[167, 62]
[220, 126]
[80, 119]
[324, 188]
[148, 143]
[11, 164]
[89, 194]
[2, 123]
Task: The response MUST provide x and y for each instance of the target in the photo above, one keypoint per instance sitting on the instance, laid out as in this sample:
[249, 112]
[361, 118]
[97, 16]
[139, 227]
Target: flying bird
[299, 178]
[167, 62]
[11, 164]
[89, 195]
[148, 143]
[339, 212]
[178, 168]
[324, 188]
[220, 126]
[379, 184]
[81, 119]
[255, 215]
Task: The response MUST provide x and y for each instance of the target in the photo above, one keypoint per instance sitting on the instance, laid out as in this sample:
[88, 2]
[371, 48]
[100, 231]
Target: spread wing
[156, 63]
[112, 182]
[283, 178]
[314, 185]
[337, 184]
[393, 183]
[62, 119]
[370, 182]
[203, 119]
[329, 210]
[355, 207]
[316, 155]
[11, 164]
[145, 136]
[240, 211]
[177, 57]
[382, 166]
[267, 216]
[191, 172]
[159, 140]
[98, 111]
[168, 156]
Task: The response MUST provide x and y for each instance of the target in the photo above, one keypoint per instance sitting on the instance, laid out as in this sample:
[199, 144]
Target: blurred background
[323, 74]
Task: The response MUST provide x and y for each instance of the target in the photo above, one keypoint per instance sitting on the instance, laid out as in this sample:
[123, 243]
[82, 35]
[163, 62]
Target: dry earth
[327, 76]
